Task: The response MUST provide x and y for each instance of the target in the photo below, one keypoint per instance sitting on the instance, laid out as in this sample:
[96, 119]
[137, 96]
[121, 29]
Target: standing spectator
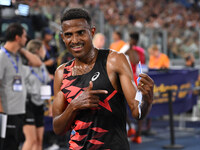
[34, 120]
[189, 60]
[135, 53]
[157, 59]
[118, 43]
[12, 83]
[50, 59]
[51, 56]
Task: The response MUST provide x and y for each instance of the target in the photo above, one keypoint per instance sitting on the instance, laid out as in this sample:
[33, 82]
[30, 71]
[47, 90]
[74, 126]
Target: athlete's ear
[93, 29]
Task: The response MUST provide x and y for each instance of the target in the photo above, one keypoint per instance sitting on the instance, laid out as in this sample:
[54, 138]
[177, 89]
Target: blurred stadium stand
[172, 24]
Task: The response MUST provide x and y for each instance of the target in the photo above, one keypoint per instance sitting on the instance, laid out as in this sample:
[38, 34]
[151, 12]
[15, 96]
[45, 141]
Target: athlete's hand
[146, 85]
[88, 99]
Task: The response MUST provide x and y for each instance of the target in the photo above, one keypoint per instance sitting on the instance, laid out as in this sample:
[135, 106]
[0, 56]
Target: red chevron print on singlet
[105, 104]
[74, 146]
[81, 125]
[71, 91]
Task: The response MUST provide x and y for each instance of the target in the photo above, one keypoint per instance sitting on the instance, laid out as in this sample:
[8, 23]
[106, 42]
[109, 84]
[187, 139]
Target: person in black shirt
[50, 59]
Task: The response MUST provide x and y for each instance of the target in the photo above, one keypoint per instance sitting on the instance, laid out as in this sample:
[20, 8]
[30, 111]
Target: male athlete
[91, 89]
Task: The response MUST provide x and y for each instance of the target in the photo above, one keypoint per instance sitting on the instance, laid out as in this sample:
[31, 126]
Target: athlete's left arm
[123, 69]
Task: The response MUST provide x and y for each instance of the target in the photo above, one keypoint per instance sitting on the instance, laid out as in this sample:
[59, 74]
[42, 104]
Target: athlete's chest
[98, 76]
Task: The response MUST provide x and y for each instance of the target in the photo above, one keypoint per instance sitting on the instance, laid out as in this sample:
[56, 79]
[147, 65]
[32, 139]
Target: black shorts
[34, 114]
[14, 133]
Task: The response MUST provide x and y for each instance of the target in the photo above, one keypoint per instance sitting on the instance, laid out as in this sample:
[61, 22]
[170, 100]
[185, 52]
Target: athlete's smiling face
[77, 36]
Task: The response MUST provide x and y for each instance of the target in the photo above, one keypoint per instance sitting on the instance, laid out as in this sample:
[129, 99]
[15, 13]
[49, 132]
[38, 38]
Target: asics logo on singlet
[95, 76]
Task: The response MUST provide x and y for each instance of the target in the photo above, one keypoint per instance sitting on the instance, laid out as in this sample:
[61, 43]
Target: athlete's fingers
[99, 92]
[147, 95]
[92, 97]
[90, 86]
[91, 106]
[147, 78]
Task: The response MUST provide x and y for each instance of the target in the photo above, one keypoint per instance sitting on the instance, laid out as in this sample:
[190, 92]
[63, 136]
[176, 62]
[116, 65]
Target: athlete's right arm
[63, 114]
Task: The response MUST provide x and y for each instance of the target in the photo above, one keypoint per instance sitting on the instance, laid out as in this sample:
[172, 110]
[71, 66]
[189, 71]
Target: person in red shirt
[135, 53]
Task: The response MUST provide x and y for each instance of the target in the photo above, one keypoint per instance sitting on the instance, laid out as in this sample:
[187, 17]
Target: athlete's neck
[83, 66]
[88, 60]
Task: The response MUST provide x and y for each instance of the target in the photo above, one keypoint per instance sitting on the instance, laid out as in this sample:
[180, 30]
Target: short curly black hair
[135, 36]
[76, 13]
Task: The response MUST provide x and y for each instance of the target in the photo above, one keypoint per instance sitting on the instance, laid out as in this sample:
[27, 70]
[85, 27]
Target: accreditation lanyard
[12, 61]
[42, 80]
[17, 80]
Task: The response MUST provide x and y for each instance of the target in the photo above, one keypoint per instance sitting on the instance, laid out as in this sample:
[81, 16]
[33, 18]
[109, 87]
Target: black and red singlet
[105, 126]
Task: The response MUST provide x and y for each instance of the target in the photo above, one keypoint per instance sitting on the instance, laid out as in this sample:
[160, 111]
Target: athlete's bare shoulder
[116, 60]
[58, 78]
[60, 69]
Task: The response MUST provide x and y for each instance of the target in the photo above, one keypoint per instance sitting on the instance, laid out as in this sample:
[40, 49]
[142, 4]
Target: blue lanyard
[12, 61]
[37, 76]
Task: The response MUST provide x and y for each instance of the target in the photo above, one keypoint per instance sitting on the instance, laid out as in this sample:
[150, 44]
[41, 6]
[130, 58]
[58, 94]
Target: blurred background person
[12, 82]
[99, 40]
[51, 55]
[50, 59]
[34, 118]
[189, 60]
[135, 53]
[117, 43]
[157, 60]
[51, 62]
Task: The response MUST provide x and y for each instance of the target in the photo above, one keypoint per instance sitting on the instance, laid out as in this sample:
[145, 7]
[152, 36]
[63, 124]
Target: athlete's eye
[67, 35]
[82, 32]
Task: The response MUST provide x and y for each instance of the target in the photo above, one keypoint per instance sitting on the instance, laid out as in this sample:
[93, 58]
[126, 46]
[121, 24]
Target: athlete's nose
[75, 39]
